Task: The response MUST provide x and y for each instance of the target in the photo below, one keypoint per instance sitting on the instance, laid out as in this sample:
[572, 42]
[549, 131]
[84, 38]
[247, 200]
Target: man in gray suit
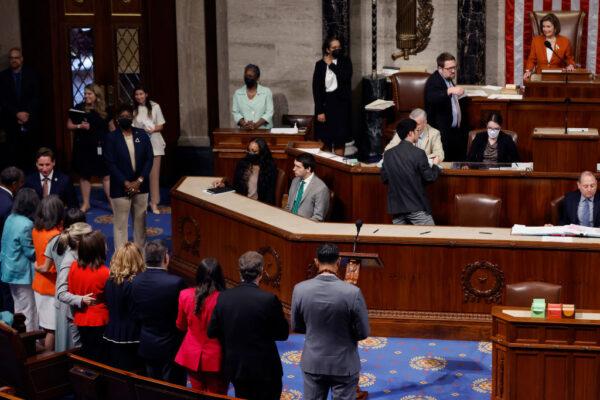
[333, 315]
[308, 196]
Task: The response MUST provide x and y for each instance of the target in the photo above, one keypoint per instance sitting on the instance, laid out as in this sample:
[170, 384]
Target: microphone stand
[567, 98]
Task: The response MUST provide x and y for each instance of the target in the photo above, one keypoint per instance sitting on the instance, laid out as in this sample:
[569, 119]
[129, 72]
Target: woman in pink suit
[200, 355]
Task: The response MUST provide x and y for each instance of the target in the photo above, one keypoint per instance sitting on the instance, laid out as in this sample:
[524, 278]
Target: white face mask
[493, 133]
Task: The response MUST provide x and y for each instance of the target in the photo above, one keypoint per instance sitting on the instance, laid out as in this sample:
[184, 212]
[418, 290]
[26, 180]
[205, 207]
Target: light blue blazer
[17, 256]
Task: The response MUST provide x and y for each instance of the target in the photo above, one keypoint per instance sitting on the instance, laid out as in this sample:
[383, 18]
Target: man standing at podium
[405, 169]
[582, 206]
[333, 315]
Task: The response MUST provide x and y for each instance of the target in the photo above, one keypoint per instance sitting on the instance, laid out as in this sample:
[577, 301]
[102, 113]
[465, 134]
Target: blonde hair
[126, 263]
[100, 104]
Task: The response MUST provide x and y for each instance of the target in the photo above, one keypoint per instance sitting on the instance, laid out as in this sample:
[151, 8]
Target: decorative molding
[271, 258]
[423, 24]
[189, 232]
[430, 316]
[483, 271]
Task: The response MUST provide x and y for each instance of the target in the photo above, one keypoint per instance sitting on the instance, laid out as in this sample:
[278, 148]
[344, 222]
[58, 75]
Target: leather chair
[476, 210]
[571, 27]
[475, 132]
[280, 185]
[302, 121]
[408, 93]
[556, 206]
[331, 206]
[522, 294]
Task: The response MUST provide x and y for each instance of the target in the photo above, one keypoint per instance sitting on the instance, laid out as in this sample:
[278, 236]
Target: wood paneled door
[116, 44]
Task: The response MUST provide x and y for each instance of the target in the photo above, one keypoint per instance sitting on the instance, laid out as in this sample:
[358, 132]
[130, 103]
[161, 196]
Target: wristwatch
[140, 179]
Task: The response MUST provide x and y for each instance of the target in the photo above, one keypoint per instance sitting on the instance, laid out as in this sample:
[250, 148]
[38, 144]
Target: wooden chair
[556, 206]
[522, 294]
[34, 376]
[571, 26]
[475, 132]
[476, 210]
[95, 381]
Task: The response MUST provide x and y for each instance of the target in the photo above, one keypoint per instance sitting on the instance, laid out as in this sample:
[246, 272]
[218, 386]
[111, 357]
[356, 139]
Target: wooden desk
[555, 151]
[432, 284]
[360, 193]
[522, 116]
[230, 144]
[544, 359]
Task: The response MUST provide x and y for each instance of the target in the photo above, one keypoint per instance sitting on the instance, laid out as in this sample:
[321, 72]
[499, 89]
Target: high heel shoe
[154, 209]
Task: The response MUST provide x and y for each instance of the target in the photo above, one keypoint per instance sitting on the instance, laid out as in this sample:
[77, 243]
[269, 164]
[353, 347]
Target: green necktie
[298, 198]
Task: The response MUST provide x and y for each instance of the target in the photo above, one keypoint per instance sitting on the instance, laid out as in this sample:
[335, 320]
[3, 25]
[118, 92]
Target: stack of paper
[287, 131]
[476, 93]
[566, 230]
[379, 105]
[505, 96]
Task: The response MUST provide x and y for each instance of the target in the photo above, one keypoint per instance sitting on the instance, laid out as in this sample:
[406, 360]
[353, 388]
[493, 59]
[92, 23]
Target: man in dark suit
[47, 180]
[582, 206]
[247, 321]
[334, 317]
[155, 295]
[405, 170]
[443, 107]
[11, 180]
[19, 103]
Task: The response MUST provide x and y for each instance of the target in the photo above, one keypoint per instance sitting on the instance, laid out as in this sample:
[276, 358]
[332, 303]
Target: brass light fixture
[414, 19]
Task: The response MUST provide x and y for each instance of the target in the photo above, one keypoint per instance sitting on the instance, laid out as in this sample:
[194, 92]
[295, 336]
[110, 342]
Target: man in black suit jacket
[582, 206]
[11, 180]
[247, 321]
[55, 181]
[155, 296]
[443, 108]
[405, 170]
[19, 103]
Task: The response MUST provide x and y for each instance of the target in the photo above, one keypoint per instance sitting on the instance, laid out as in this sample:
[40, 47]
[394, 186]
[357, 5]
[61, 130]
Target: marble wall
[495, 61]
[10, 30]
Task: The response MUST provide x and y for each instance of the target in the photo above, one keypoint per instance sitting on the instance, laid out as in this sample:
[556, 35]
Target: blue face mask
[493, 133]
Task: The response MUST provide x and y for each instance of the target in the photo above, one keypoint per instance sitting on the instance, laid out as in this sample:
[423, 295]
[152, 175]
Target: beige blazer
[432, 144]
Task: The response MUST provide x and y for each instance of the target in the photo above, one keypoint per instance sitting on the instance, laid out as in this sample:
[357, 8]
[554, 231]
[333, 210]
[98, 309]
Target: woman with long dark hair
[148, 116]
[493, 145]
[200, 355]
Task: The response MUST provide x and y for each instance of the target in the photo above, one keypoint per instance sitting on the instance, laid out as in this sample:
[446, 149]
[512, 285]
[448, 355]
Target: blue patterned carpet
[407, 369]
[392, 368]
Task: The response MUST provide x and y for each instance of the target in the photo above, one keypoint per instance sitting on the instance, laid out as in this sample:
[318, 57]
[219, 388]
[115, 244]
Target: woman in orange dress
[541, 57]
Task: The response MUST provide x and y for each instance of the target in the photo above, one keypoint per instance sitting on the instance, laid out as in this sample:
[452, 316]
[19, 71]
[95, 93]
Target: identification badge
[99, 150]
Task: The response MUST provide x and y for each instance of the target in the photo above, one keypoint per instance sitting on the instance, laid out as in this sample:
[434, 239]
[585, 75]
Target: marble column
[471, 41]
[336, 21]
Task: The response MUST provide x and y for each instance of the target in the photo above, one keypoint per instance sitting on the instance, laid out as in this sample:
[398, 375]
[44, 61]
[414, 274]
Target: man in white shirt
[429, 140]
[308, 195]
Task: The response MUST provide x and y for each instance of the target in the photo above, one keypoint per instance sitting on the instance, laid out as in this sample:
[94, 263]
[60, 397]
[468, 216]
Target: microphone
[359, 224]
[549, 46]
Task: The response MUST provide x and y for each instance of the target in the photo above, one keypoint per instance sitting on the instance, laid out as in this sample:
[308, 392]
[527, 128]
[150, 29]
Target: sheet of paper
[287, 131]
[379, 105]
[559, 239]
[500, 96]
[476, 93]
[491, 87]
[311, 150]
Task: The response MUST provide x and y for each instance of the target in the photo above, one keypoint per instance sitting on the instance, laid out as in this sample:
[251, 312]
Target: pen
[422, 233]
[486, 233]
[376, 230]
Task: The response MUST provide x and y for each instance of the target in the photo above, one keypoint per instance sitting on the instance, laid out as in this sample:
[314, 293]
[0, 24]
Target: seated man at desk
[253, 103]
[308, 196]
[582, 206]
[429, 141]
[405, 169]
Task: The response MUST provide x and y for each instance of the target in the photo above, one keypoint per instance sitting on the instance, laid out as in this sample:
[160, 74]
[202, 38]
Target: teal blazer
[17, 256]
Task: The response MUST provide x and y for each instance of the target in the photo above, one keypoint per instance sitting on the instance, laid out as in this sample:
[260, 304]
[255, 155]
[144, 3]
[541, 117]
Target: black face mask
[253, 158]
[250, 82]
[125, 123]
[337, 53]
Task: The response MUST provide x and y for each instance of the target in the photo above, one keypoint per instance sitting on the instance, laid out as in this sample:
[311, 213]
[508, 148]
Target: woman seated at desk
[256, 174]
[554, 57]
[493, 146]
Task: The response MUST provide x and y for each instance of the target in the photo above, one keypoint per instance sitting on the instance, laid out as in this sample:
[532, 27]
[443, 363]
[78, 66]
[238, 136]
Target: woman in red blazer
[200, 355]
[87, 277]
[541, 57]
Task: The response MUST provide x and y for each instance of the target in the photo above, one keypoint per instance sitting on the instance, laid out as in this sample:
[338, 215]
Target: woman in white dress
[148, 116]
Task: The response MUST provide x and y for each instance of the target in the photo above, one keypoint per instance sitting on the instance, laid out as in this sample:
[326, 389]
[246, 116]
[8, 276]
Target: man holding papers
[582, 206]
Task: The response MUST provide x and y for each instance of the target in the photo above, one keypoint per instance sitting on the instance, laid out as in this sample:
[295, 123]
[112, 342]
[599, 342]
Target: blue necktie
[585, 214]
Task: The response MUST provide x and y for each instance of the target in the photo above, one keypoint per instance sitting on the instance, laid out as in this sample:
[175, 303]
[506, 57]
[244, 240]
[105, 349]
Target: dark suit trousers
[258, 390]
[166, 370]
[342, 387]
[454, 142]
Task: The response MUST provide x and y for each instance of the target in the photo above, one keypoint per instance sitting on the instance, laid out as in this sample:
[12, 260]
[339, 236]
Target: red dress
[197, 351]
[87, 280]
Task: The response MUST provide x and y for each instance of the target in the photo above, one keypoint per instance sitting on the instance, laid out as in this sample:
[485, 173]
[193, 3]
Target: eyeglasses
[450, 68]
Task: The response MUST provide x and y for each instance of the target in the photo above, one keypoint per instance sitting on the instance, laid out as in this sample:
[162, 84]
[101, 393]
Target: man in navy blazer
[443, 108]
[55, 181]
[582, 206]
[11, 180]
[247, 321]
[128, 154]
[155, 296]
